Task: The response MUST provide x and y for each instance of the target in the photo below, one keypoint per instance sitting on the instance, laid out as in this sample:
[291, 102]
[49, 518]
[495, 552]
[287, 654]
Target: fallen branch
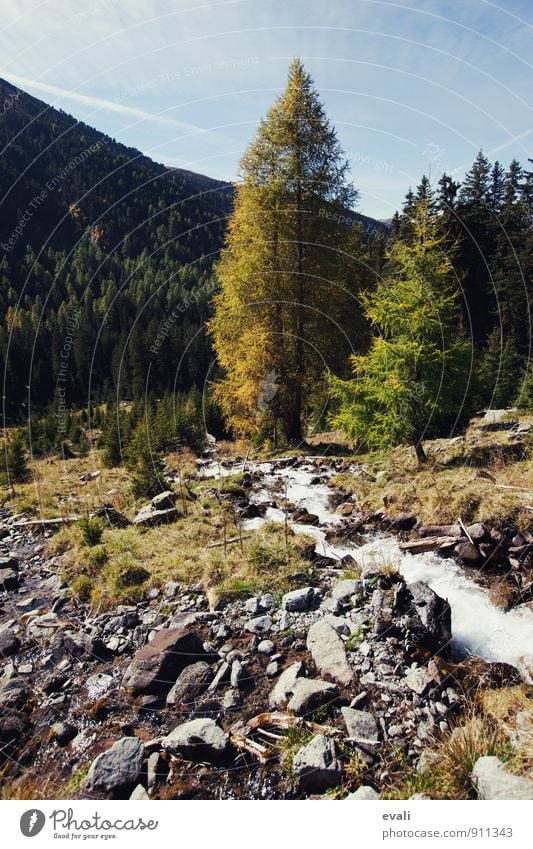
[226, 541]
[66, 520]
[419, 546]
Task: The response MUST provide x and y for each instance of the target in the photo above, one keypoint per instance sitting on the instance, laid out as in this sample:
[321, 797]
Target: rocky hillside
[344, 677]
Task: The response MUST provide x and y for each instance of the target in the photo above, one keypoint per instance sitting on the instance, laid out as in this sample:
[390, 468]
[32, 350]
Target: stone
[63, 732]
[494, 781]
[310, 694]
[328, 652]
[9, 643]
[191, 683]
[221, 677]
[267, 601]
[339, 624]
[155, 666]
[259, 625]
[478, 532]
[434, 613]
[156, 767]
[468, 553]
[147, 515]
[315, 765]
[12, 728]
[164, 501]
[139, 794]
[284, 688]
[298, 600]
[83, 646]
[419, 680]
[14, 693]
[272, 669]
[118, 767]
[238, 674]
[360, 725]
[253, 606]
[197, 739]
[266, 647]
[344, 590]
[43, 627]
[231, 700]
[363, 793]
[9, 580]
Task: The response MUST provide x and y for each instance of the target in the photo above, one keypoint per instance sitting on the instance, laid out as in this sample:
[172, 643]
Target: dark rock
[12, 727]
[84, 646]
[9, 643]
[14, 694]
[478, 532]
[9, 580]
[155, 666]
[63, 732]
[435, 615]
[192, 682]
[118, 767]
[403, 522]
[112, 516]
[468, 553]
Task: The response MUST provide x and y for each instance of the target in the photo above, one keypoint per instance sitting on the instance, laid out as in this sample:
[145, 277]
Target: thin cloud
[109, 105]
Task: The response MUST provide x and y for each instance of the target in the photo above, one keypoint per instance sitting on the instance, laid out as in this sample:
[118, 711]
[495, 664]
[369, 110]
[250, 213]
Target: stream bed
[479, 628]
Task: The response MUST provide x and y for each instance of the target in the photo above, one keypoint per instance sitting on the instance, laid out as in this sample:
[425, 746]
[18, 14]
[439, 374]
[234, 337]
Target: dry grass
[450, 485]
[179, 552]
[55, 487]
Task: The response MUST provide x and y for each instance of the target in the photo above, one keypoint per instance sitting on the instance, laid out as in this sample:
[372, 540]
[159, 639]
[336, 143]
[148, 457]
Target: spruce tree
[412, 381]
[291, 267]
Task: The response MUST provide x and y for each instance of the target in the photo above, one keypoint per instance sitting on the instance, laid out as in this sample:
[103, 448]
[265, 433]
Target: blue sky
[411, 87]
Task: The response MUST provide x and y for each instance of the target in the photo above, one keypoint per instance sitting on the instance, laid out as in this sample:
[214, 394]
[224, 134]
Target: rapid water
[479, 628]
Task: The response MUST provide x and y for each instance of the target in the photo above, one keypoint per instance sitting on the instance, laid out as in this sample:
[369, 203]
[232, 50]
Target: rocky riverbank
[343, 685]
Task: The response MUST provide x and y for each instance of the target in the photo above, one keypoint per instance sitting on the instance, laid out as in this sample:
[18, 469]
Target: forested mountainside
[97, 236]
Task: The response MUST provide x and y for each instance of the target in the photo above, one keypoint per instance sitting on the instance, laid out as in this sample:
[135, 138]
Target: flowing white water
[479, 628]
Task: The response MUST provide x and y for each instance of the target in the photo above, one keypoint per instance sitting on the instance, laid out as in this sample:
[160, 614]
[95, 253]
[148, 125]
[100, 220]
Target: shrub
[91, 530]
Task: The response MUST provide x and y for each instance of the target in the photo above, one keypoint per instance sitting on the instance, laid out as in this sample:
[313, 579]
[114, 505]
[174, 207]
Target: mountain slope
[104, 248]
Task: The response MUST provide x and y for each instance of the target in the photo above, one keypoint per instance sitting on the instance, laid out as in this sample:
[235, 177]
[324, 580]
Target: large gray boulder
[328, 652]
[118, 767]
[155, 667]
[197, 739]
[191, 683]
[493, 780]
[308, 695]
[316, 766]
[285, 684]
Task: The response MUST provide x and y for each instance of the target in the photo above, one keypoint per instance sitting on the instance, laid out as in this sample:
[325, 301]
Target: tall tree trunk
[297, 413]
